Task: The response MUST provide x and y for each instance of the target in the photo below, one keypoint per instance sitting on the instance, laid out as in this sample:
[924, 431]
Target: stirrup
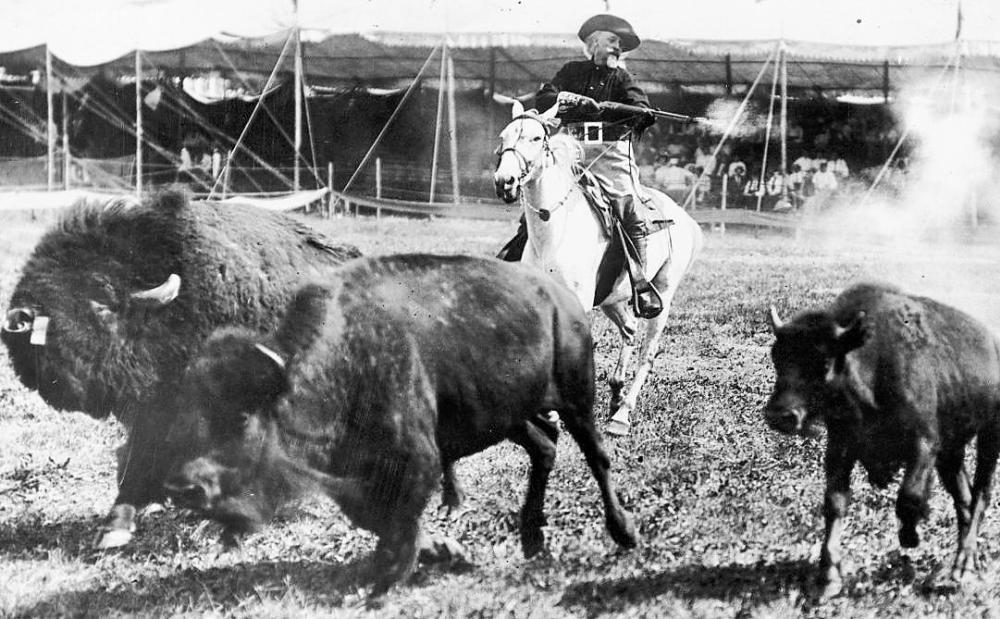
[646, 301]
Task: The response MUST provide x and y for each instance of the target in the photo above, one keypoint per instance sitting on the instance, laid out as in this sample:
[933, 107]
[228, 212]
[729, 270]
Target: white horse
[567, 239]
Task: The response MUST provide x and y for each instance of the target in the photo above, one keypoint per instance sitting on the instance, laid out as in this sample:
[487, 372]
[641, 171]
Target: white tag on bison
[39, 328]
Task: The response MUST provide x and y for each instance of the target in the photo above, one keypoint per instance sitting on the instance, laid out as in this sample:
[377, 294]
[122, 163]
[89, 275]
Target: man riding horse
[607, 138]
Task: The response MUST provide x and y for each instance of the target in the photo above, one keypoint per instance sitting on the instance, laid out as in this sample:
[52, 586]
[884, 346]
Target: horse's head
[524, 144]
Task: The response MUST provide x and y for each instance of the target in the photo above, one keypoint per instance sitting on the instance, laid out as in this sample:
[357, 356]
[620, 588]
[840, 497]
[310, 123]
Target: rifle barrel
[635, 109]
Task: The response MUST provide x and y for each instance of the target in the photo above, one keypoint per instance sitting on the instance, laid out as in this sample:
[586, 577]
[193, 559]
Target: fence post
[226, 172]
[378, 187]
[722, 206]
[329, 185]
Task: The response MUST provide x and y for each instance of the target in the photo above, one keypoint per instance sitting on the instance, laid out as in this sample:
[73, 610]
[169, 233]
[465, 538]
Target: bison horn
[270, 354]
[162, 294]
[776, 322]
[19, 320]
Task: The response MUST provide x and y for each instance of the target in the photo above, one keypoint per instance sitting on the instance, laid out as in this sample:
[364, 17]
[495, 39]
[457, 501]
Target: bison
[376, 382]
[117, 296]
[900, 381]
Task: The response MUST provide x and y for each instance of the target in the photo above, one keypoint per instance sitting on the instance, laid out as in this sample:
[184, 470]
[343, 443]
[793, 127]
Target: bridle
[528, 169]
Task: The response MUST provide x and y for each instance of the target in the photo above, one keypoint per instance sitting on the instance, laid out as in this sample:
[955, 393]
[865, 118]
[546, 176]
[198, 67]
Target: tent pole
[783, 60]
[491, 90]
[729, 75]
[767, 130]
[51, 120]
[437, 123]
[138, 124]
[298, 105]
[65, 139]
[453, 130]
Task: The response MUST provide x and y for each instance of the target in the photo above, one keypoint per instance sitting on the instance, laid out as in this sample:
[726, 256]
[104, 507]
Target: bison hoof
[622, 530]
[908, 536]
[119, 529]
[616, 427]
[113, 538]
[830, 589]
[966, 566]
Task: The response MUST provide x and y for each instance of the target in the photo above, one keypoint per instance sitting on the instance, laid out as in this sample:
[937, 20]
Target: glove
[645, 119]
[580, 103]
[588, 105]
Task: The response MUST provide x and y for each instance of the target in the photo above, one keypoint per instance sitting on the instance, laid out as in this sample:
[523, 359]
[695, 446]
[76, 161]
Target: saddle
[608, 213]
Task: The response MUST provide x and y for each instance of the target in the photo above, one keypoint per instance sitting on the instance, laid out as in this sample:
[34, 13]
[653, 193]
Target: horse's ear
[517, 109]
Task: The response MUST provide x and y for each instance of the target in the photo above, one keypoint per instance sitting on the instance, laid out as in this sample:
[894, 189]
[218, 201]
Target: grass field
[728, 512]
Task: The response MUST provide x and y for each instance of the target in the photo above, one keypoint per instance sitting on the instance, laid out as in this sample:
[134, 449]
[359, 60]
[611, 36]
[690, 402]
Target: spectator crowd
[823, 155]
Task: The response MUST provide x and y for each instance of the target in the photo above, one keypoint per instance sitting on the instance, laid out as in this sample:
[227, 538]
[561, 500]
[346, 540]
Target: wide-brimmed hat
[611, 23]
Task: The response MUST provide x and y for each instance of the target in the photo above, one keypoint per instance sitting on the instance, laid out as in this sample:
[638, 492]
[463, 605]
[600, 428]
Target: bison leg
[951, 470]
[142, 468]
[911, 504]
[580, 425]
[838, 467]
[538, 438]
[452, 495]
[982, 492]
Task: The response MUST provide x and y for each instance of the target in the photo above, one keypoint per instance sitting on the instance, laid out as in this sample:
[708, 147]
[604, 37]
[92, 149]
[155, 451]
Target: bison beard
[899, 381]
[397, 367]
[130, 291]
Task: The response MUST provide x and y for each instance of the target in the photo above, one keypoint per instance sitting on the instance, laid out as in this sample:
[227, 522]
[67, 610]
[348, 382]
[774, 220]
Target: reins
[528, 169]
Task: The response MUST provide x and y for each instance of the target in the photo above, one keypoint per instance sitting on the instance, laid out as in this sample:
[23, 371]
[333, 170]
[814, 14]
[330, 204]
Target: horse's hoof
[113, 538]
[617, 427]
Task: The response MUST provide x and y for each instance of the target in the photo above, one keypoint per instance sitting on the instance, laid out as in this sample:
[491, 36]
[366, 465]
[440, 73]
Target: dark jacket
[583, 77]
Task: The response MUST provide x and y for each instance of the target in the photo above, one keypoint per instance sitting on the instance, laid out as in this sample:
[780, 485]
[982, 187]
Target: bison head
[64, 320]
[89, 322]
[808, 355]
[233, 468]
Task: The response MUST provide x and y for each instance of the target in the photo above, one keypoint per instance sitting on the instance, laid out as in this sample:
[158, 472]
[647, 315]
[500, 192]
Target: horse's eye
[537, 138]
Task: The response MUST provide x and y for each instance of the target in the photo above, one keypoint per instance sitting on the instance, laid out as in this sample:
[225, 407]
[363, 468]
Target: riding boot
[512, 251]
[645, 297]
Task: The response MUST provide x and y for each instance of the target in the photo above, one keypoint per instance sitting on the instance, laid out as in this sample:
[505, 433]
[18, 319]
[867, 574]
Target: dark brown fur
[107, 353]
[900, 381]
[397, 368]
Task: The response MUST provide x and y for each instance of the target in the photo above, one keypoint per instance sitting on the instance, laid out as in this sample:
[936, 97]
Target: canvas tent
[501, 46]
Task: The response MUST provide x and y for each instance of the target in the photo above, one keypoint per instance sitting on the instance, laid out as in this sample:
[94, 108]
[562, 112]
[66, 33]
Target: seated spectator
[752, 189]
[825, 179]
[703, 183]
[805, 162]
[839, 167]
[703, 159]
[673, 179]
[734, 164]
[196, 160]
[677, 150]
[794, 182]
[735, 183]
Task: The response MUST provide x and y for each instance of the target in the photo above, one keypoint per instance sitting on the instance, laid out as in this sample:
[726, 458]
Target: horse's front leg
[623, 318]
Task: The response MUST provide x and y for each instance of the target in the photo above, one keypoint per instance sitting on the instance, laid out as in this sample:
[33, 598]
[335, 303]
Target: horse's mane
[566, 150]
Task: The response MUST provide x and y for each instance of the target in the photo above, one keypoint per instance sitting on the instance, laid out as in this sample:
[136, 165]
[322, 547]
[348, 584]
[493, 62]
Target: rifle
[624, 108]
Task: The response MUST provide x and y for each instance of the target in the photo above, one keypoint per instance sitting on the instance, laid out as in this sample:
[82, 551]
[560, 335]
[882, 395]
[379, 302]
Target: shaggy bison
[900, 381]
[380, 379]
[116, 297]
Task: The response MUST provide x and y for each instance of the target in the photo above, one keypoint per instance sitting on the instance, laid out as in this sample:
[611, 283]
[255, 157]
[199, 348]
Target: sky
[92, 31]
